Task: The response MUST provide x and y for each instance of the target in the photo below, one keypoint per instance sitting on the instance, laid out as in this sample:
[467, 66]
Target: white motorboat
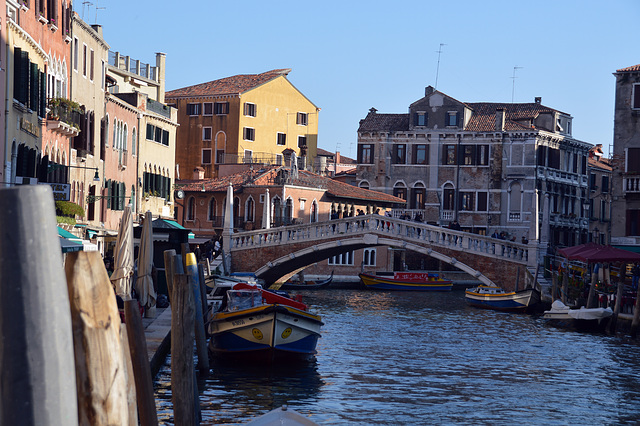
[282, 416]
[582, 319]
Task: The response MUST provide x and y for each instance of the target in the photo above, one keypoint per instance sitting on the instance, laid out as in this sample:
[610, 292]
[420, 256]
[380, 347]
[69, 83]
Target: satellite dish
[179, 194]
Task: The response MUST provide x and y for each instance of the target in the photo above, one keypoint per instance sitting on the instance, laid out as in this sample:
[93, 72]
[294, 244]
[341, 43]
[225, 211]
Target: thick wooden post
[201, 339]
[554, 286]
[182, 335]
[616, 311]
[100, 369]
[140, 361]
[131, 385]
[592, 289]
[203, 292]
[36, 349]
[636, 315]
[168, 271]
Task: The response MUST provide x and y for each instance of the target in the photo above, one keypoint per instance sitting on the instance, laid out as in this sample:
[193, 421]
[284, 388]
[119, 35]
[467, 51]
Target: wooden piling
[36, 349]
[100, 369]
[140, 361]
[203, 293]
[636, 315]
[182, 336]
[201, 339]
[132, 402]
[168, 271]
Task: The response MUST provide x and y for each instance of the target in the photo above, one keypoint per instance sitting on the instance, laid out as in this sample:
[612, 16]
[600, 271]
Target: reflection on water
[418, 358]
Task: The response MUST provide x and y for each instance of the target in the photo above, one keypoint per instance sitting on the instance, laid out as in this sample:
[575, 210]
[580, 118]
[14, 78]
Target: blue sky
[348, 56]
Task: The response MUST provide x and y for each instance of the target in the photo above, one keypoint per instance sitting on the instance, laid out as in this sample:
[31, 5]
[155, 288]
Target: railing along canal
[419, 233]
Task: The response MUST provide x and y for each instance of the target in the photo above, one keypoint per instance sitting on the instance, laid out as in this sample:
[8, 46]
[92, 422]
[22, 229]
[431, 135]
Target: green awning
[69, 246]
[634, 249]
[68, 235]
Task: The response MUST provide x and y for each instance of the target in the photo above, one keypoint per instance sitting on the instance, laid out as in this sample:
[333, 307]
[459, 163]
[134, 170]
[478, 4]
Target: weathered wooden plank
[100, 369]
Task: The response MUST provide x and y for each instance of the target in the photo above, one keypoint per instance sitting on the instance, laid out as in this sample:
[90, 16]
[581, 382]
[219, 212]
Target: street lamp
[53, 167]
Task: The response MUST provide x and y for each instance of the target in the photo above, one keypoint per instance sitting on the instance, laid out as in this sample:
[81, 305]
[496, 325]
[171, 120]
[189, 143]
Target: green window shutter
[42, 109]
[108, 186]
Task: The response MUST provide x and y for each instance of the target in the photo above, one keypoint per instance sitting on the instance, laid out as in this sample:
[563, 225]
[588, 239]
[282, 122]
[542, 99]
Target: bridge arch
[278, 268]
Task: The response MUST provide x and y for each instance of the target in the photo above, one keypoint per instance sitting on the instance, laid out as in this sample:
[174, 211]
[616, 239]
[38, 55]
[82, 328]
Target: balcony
[64, 117]
[631, 184]
[515, 217]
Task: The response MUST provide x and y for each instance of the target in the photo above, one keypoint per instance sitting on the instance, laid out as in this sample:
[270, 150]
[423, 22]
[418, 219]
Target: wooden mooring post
[36, 349]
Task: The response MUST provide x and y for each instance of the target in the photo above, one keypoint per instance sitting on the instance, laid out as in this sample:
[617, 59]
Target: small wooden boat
[282, 416]
[583, 319]
[491, 297]
[412, 281]
[264, 326]
[307, 285]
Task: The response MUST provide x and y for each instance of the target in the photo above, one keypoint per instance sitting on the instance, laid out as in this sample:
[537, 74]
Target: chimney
[428, 90]
[198, 173]
[161, 60]
[337, 157]
[500, 114]
[538, 100]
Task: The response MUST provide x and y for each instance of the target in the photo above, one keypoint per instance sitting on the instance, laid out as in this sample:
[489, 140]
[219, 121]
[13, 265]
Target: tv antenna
[98, 8]
[513, 86]
[88, 4]
[438, 67]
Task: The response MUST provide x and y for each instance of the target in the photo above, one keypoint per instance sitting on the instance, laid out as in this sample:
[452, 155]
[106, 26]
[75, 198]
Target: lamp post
[54, 167]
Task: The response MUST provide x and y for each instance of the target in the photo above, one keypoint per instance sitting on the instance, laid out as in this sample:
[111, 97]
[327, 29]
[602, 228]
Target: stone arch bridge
[276, 252]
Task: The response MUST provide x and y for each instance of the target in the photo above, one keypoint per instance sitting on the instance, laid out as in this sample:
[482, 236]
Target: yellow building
[242, 120]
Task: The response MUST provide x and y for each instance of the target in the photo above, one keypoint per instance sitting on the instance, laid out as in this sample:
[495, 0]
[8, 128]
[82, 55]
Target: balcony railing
[133, 66]
[515, 217]
[632, 184]
[64, 116]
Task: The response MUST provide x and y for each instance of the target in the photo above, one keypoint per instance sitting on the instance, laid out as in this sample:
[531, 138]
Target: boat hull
[593, 319]
[506, 301]
[387, 283]
[266, 332]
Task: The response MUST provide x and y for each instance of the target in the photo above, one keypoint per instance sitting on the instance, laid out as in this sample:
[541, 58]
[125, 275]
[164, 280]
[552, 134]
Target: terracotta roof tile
[233, 85]
[629, 69]
[483, 118]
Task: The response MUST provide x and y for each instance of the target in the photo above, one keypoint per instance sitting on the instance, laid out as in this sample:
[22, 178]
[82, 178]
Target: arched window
[249, 210]
[418, 193]
[125, 136]
[277, 211]
[313, 214]
[369, 257]
[448, 197]
[364, 184]
[288, 211]
[191, 208]
[211, 213]
[236, 211]
[134, 141]
[400, 190]
[115, 134]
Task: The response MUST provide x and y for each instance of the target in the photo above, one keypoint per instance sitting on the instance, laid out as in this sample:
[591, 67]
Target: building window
[636, 97]
[91, 58]
[400, 191]
[208, 108]
[482, 201]
[301, 118]
[448, 194]
[279, 160]
[399, 154]
[206, 156]
[605, 184]
[420, 119]
[84, 60]
[220, 156]
[211, 214]
[449, 155]
[249, 210]
[452, 118]
[248, 156]
[420, 154]
[249, 134]
[191, 209]
[76, 53]
[418, 196]
[249, 109]
[369, 257]
[281, 139]
[221, 108]
[467, 201]
[633, 160]
[365, 154]
[206, 133]
[193, 109]
[302, 141]
[344, 259]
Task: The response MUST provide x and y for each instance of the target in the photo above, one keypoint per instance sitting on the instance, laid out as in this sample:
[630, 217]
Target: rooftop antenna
[98, 8]
[513, 86]
[88, 4]
[438, 67]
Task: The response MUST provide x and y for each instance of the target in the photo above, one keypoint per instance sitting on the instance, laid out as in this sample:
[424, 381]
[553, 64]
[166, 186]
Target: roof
[233, 85]
[629, 69]
[266, 176]
[343, 159]
[483, 118]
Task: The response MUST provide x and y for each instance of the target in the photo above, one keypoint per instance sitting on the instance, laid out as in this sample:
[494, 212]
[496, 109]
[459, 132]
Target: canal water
[427, 358]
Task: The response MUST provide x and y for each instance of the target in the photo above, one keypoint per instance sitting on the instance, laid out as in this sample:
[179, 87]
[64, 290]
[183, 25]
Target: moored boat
[412, 281]
[493, 297]
[262, 325]
[307, 285]
[583, 319]
[282, 416]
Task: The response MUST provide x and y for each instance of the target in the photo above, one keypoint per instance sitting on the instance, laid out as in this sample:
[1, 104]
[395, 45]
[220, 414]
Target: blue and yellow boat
[411, 281]
[492, 297]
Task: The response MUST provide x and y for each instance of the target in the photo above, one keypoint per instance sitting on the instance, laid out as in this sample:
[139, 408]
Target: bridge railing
[420, 233]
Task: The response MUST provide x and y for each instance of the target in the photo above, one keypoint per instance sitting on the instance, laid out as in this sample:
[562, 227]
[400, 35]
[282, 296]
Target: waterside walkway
[158, 335]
